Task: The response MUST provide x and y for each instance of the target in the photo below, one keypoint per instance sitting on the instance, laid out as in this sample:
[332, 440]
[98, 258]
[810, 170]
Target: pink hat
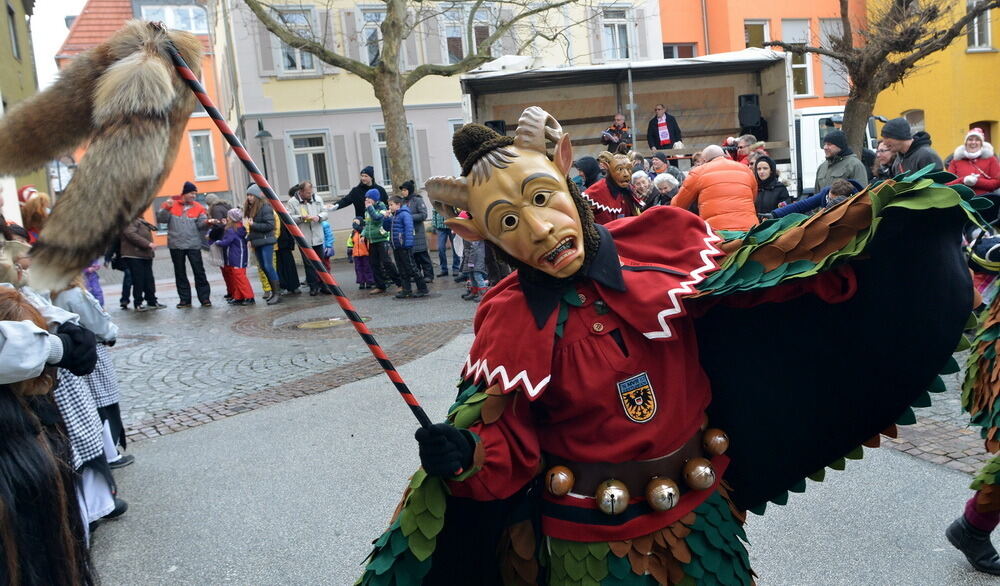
[235, 215]
[977, 132]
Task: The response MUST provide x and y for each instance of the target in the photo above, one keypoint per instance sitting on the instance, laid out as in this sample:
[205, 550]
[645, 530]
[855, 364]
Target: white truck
[712, 97]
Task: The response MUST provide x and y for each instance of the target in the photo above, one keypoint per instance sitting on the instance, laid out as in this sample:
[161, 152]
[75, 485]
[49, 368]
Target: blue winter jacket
[804, 206]
[401, 227]
[234, 246]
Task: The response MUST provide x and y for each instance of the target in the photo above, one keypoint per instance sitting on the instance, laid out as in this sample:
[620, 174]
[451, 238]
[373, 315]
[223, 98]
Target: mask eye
[509, 221]
[540, 198]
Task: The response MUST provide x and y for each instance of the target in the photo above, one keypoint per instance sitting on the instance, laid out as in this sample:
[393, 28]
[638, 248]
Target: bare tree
[381, 65]
[885, 48]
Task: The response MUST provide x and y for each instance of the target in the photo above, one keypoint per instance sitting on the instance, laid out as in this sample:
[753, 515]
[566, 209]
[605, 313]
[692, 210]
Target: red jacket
[724, 191]
[607, 207]
[986, 166]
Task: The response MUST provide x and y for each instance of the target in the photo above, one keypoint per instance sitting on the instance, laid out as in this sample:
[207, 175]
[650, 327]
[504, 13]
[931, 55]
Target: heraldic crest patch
[636, 394]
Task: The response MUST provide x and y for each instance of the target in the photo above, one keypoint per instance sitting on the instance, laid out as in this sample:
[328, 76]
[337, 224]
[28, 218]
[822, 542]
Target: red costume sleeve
[833, 286]
[508, 454]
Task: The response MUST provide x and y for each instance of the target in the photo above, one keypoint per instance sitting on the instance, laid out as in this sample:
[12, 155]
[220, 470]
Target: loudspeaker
[497, 125]
[749, 109]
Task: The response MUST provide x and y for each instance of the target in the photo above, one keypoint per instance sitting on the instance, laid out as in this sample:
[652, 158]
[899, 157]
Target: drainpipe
[704, 26]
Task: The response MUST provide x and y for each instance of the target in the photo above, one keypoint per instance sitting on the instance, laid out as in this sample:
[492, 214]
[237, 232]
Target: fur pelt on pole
[126, 99]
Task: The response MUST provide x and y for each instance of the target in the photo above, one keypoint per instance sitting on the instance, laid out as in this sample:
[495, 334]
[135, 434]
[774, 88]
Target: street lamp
[263, 136]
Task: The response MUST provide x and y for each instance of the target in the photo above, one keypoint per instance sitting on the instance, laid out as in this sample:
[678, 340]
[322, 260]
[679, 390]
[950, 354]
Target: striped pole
[310, 254]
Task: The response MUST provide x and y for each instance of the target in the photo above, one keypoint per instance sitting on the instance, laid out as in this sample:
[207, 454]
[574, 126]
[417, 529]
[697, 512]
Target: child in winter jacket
[358, 249]
[235, 255]
[474, 265]
[399, 222]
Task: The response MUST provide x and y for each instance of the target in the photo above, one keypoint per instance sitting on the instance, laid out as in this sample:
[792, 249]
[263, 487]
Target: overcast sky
[48, 31]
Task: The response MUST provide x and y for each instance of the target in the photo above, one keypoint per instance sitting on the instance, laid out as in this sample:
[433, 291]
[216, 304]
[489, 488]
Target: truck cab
[811, 125]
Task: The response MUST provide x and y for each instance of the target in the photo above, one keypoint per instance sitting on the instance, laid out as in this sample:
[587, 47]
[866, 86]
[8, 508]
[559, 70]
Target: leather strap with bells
[661, 480]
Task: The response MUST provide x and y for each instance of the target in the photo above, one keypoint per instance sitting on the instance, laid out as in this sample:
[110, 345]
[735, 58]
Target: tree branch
[941, 39]
[263, 13]
[847, 33]
[479, 57]
[800, 49]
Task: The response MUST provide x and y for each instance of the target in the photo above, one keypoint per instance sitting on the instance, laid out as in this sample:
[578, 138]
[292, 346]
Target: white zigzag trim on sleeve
[686, 287]
[600, 206]
[480, 369]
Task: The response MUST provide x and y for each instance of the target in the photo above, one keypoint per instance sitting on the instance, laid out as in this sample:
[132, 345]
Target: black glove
[79, 349]
[767, 216]
[445, 450]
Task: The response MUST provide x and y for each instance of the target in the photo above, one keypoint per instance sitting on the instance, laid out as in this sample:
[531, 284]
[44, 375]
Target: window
[756, 33]
[835, 80]
[371, 35]
[311, 164]
[614, 29]
[916, 120]
[202, 155]
[296, 60]
[192, 19]
[383, 165]
[12, 32]
[456, 45]
[796, 32]
[979, 28]
[681, 51]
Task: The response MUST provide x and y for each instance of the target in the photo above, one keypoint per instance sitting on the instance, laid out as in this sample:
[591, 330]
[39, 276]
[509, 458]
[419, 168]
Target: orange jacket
[724, 191]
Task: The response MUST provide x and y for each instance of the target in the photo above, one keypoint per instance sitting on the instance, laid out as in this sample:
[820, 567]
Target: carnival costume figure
[622, 436]
[611, 198]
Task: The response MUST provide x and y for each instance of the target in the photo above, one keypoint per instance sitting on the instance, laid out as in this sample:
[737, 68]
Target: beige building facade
[325, 125]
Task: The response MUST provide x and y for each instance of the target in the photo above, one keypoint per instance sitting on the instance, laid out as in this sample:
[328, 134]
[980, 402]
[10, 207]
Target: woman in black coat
[771, 193]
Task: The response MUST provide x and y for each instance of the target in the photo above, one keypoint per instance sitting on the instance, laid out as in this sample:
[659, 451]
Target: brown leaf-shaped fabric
[988, 499]
[493, 407]
[872, 442]
[399, 507]
[518, 564]
[891, 431]
[620, 548]
[494, 390]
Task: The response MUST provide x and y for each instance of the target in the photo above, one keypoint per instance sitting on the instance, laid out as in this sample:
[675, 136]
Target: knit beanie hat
[976, 132]
[409, 186]
[373, 193]
[189, 188]
[235, 215]
[369, 171]
[255, 191]
[472, 141]
[897, 128]
[838, 139]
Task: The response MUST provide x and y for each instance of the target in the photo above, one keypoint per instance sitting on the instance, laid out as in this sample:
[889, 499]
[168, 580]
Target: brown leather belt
[635, 475]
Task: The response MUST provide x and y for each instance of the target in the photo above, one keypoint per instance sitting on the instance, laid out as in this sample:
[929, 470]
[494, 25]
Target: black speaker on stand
[751, 122]
[498, 126]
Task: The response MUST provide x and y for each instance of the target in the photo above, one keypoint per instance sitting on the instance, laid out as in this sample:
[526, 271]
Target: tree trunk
[389, 92]
[857, 111]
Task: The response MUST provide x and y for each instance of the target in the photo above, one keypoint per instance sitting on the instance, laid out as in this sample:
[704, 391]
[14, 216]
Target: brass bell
[715, 441]
[698, 473]
[662, 494]
[559, 480]
[612, 497]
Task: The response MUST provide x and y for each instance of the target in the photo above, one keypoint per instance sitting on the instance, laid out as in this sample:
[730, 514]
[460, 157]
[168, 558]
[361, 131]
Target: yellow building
[17, 75]
[955, 89]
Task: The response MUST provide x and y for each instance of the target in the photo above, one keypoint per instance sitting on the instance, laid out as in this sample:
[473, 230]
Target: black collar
[605, 269]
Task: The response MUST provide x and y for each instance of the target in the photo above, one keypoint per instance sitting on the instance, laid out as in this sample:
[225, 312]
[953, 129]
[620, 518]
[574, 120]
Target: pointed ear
[465, 228]
[564, 154]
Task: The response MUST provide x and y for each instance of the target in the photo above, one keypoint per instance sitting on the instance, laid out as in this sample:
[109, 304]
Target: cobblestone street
[181, 368]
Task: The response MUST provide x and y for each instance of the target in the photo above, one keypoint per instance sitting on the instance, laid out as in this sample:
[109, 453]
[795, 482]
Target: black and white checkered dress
[103, 382]
[76, 405]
